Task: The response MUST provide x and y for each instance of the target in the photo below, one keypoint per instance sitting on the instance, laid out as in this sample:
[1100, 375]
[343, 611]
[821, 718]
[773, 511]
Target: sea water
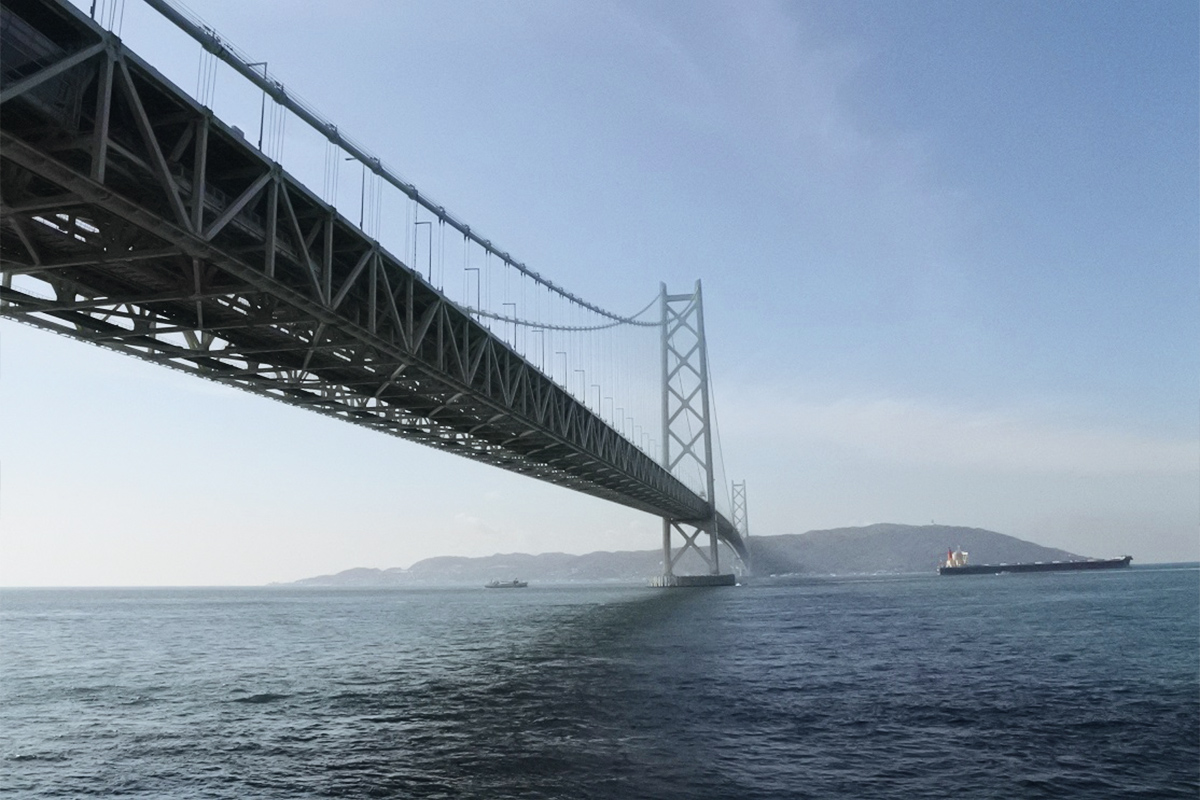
[1066, 685]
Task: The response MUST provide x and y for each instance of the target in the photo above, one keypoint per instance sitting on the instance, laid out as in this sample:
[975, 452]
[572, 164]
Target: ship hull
[1038, 566]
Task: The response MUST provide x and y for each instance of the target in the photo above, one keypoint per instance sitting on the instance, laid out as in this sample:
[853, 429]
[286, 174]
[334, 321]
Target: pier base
[684, 581]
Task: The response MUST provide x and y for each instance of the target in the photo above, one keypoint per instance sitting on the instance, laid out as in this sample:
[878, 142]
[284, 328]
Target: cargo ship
[956, 564]
[513, 584]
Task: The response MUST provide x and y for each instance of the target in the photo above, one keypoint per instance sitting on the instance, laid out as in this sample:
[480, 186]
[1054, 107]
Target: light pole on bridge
[478, 281]
[566, 374]
[362, 194]
[416, 225]
[512, 341]
[262, 109]
[541, 347]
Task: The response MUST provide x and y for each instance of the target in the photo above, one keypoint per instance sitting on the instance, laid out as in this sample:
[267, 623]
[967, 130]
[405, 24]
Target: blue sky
[949, 253]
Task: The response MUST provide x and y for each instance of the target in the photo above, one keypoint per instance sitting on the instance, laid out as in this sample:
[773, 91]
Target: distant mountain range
[874, 549]
[889, 548]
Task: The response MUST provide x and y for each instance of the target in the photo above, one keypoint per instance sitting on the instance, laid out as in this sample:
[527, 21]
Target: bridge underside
[134, 220]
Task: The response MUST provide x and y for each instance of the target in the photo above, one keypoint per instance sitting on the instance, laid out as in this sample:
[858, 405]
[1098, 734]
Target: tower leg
[714, 563]
[668, 572]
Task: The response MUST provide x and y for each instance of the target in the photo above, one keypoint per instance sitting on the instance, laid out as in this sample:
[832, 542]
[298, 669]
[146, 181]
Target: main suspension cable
[191, 23]
[617, 321]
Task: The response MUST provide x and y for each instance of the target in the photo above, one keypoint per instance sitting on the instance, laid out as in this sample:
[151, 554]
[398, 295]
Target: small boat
[514, 584]
[956, 564]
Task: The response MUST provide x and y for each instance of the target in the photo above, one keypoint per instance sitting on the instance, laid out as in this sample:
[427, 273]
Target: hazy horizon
[381, 568]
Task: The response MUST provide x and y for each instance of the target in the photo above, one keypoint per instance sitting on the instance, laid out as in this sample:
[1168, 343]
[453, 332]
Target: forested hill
[883, 548]
[889, 548]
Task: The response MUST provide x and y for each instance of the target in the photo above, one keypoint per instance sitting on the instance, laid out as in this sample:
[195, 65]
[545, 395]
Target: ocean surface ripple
[1016, 686]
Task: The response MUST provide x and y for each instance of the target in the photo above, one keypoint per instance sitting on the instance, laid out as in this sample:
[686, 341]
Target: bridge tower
[688, 433]
[740, 520]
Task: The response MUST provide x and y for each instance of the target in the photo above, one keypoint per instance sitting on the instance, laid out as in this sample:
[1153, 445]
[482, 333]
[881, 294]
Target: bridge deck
[161, 232]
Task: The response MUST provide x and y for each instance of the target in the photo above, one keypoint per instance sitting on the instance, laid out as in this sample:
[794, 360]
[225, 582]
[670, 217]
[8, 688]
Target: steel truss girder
[165, 235]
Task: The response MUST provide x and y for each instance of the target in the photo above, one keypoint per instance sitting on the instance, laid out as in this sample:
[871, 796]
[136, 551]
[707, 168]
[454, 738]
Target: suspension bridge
[138, 217]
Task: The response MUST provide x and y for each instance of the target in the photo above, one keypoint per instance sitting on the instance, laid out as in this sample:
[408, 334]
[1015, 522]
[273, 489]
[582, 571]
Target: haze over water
[1065, 685]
